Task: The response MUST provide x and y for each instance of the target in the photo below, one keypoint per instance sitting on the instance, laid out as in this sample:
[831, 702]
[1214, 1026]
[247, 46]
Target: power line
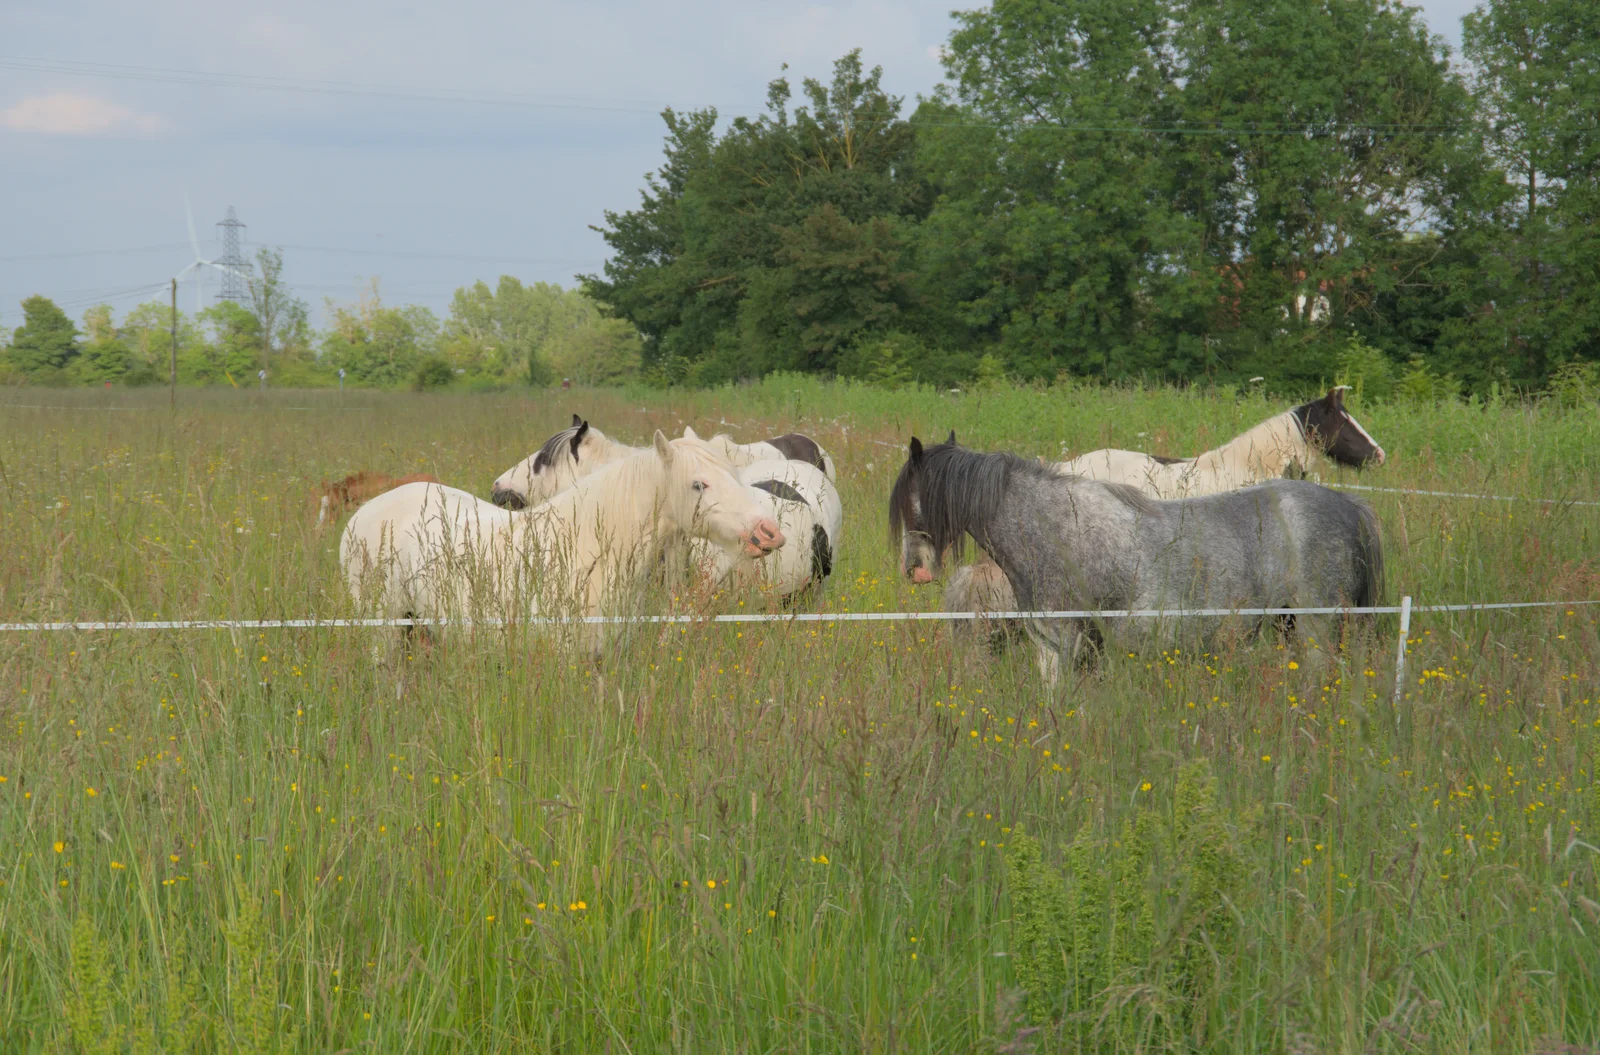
[123, 294]
[92, 252]
[413, 254]
[117, 71]
[425, 255]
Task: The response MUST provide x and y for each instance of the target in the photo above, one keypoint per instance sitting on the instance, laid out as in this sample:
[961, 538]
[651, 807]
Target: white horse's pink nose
[1379, 458]
[765, 537]
[920, 574]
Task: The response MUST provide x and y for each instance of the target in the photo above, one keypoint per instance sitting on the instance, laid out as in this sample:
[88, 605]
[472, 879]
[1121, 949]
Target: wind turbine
[201, 262]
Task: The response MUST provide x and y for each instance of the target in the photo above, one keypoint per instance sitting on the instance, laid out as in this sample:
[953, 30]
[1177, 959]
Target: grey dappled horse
[1068, 543]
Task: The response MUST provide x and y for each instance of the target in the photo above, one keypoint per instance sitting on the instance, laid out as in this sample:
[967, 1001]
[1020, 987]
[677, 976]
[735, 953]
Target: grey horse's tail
[1371, 546]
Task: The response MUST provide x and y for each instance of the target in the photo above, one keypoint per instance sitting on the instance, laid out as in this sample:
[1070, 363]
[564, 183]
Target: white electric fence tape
[314, 623]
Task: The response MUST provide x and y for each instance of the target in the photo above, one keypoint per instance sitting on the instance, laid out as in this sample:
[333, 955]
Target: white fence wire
[1461, 494]
[315, 623]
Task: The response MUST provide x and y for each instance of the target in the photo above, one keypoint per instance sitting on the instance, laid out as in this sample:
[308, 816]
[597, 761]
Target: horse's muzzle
[506, 498]
[1378, 457]
[765, 537]
[921, 575]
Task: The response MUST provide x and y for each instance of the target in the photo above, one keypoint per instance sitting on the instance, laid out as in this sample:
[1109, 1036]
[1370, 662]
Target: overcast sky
[427, 144]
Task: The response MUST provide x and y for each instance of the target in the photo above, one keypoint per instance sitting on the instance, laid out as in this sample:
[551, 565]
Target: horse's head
[920, 557]
[703, 499]
[1333, 430]
[561, 460]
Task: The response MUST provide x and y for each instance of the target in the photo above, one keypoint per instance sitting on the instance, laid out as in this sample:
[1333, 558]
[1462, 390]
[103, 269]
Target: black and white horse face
[552, 468]
[1334, 431]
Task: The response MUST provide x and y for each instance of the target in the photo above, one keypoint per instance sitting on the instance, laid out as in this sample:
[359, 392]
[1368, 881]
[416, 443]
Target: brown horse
[334, 498]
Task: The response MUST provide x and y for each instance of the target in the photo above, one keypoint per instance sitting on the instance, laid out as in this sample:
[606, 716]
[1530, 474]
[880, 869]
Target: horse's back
[800, 448]
[1300, 542]
[1153, 476]
[408, 515]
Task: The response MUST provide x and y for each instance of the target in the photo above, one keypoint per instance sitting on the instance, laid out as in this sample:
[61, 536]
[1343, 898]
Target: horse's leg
[1088, 644]
[1047, 645]
[1048, 659]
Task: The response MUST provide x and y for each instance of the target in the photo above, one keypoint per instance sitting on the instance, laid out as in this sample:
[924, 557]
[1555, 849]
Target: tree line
[1182, 190]
[512, 333]
[1168, 190]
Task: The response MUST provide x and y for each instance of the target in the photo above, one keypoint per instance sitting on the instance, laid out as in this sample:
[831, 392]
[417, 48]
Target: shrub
[1419, 384]
[1366, 370]
[1122, 943]
[1575, 383]
[432, 372]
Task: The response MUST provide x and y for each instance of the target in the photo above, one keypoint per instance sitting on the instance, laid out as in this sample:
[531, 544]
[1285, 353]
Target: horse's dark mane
[546, 455]
[960, 490]
[1127, 494]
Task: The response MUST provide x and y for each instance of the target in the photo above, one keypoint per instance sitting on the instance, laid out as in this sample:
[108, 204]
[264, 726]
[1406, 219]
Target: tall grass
[771, 837]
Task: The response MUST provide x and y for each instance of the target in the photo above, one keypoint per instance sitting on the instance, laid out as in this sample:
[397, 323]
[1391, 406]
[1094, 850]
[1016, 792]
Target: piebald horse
[1298, 438]
[1291, 443]
[429, 551]
[804, 502]
[791, 447]
[1068, 543]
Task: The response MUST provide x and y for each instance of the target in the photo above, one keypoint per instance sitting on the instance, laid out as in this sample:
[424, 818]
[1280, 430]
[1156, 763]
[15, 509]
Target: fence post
[1400, 653]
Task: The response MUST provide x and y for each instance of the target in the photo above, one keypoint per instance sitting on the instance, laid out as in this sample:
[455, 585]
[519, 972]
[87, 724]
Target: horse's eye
[699, 485]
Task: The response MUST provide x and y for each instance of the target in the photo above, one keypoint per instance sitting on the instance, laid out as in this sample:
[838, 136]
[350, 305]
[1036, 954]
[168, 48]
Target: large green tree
[104, 355]
[282, 319]
[774, 245]
[233, 353]
[46, 342]
[1537, 81]
[1060, 231]
[513, 331]
[376, 344]
[1351, 147]
[147, 331]
[1185, 187]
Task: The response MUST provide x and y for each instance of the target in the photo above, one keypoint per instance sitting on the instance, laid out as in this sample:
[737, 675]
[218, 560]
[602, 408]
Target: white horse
[789, 447]
[806, 505]
[430, 551]
[1296, 441]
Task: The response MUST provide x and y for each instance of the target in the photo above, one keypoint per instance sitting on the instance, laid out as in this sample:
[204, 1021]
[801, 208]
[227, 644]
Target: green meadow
[811, 837]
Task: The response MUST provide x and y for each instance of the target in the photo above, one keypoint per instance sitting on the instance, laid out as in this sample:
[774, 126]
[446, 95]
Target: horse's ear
[576, 421]
[1336, 395]
[577, 437]
[663, 448]
[952, 440]
[916, 451]
[689, 433]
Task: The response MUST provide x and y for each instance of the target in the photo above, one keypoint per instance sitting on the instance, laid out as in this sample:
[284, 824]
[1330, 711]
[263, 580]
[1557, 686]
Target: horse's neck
[736, 454]
[613, 451]
[1262, 453]
[618, 500]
